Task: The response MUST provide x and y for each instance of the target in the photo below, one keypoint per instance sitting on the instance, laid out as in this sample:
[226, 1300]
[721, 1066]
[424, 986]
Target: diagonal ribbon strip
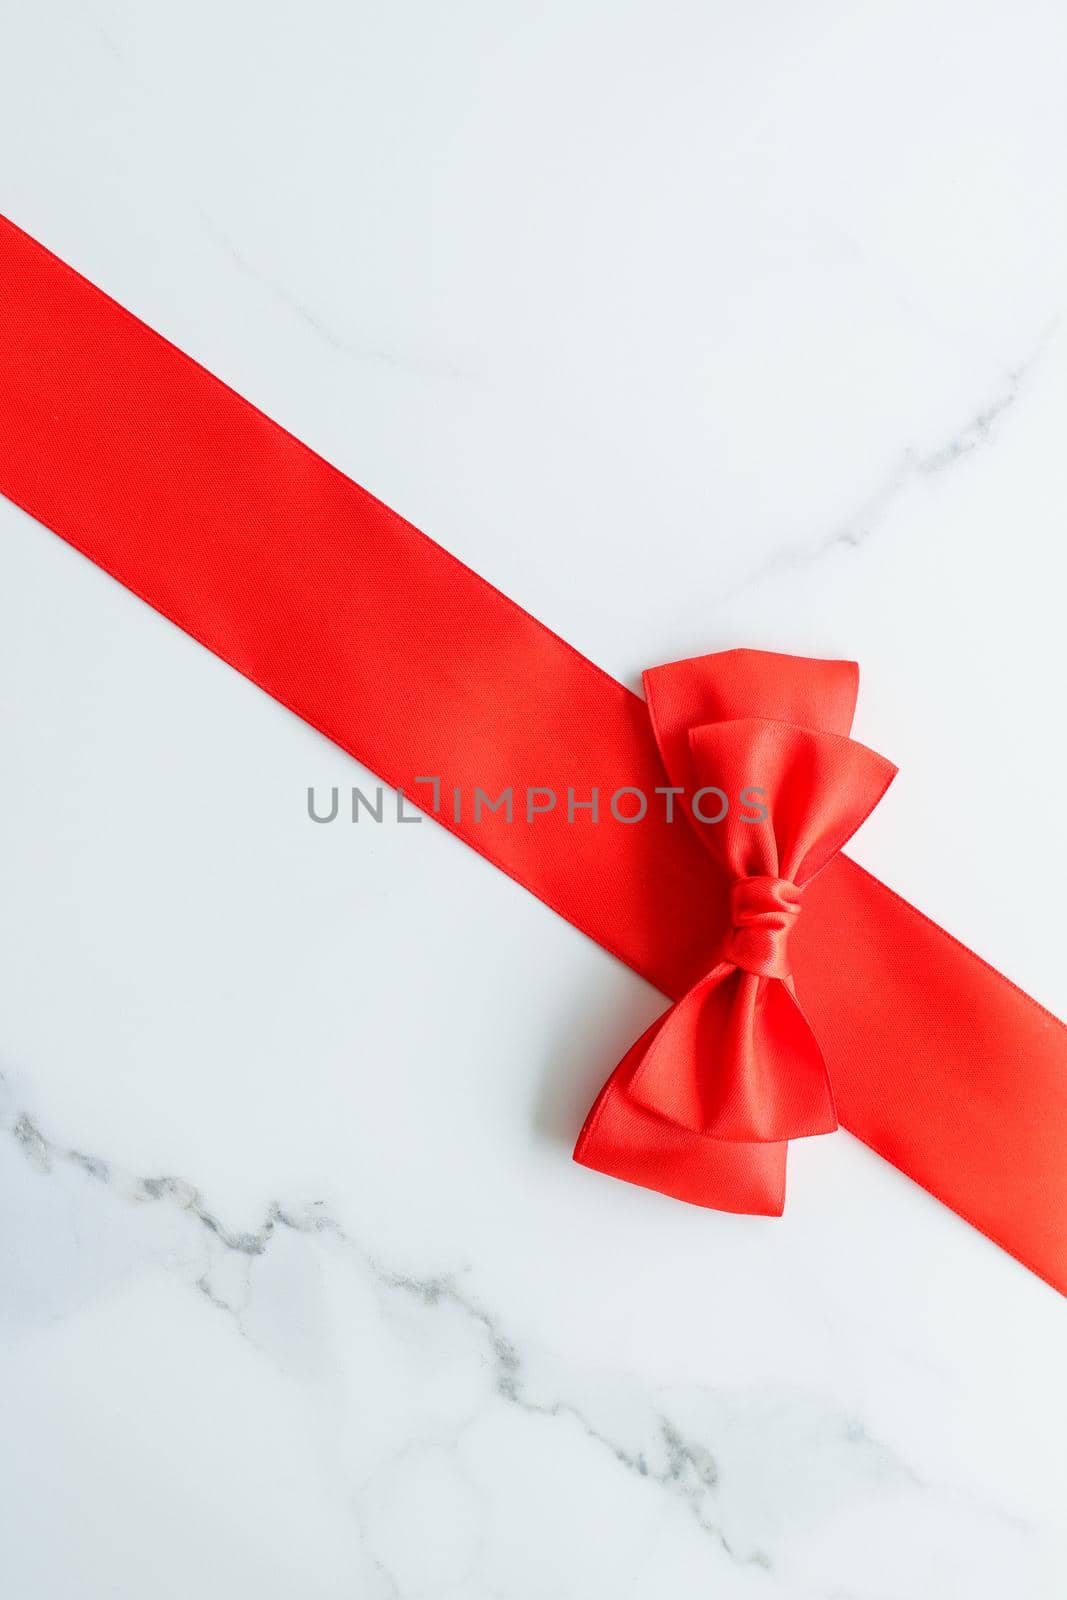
[373, 634]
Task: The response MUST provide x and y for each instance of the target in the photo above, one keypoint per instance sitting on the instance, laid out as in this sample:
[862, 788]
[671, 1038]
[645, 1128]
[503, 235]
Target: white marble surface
[690, 325]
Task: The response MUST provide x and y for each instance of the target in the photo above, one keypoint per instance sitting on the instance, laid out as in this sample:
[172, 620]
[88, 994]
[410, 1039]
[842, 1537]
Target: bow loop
[796, 795]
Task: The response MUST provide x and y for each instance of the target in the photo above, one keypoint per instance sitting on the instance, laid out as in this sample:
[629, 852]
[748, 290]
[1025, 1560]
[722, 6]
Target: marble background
[690, 325]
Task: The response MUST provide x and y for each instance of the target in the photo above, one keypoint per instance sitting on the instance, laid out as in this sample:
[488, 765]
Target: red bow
[704, 1103]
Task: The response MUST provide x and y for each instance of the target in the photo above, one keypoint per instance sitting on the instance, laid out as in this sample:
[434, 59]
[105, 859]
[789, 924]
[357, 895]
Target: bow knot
[763, 910]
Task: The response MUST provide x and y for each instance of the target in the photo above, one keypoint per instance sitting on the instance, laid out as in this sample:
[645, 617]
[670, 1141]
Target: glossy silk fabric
[704, 1104]
[346, 614]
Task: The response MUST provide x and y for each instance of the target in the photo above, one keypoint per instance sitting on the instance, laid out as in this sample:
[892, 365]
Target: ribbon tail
[624, 1139]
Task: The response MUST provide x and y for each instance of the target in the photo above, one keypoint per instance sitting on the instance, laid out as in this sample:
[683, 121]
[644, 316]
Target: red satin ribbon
[346, 614]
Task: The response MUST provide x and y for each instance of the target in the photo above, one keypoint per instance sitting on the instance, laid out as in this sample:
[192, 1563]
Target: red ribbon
[376, 636]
